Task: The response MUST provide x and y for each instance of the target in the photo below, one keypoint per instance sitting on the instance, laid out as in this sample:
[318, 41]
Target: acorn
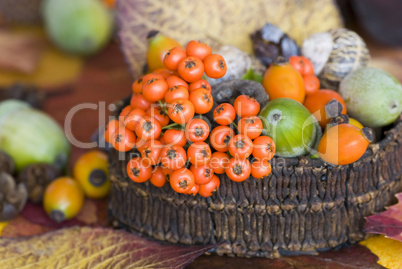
[63, 199]
[7, 163]
[36, 177]
[335, 54]
[12, 197]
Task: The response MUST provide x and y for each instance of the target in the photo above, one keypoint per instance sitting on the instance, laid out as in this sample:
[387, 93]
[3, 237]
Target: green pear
[372, 96]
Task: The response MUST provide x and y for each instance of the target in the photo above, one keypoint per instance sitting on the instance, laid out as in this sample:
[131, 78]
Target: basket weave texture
[302, 207]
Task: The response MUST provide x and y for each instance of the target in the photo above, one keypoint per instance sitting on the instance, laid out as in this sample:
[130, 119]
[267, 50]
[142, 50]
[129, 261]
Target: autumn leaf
[37, 215]
[33, 219]
[388, 222]
[389, 251]
[2, 226]
[84, 247]
[87, 216]
[19, 227]
[346, 258]
[218, 21]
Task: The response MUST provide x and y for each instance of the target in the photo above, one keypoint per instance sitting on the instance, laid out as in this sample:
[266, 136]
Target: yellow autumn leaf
[389, 251]
[2, 225]
[55, 68]
[86, 247]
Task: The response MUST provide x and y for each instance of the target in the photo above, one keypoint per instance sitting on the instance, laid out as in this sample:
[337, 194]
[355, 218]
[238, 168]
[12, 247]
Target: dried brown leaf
[20, 226]
[84, 247]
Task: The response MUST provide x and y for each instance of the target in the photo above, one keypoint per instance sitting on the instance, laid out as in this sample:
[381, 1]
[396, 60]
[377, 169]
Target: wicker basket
[303, 207]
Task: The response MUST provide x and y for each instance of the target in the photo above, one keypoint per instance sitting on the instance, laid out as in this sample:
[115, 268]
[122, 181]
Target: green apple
[291, 126]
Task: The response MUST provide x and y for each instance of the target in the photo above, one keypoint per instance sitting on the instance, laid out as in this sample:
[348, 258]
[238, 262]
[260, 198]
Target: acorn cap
[333, 108]
[368, 134]
[339, 120]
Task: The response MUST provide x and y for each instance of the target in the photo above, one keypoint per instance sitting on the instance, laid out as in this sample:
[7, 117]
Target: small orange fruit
[63, 199]
[344, 144]
[316, 103]
[282, 80]
[91, 172]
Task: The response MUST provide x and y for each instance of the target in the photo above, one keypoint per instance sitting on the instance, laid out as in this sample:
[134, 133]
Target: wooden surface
[105, 78]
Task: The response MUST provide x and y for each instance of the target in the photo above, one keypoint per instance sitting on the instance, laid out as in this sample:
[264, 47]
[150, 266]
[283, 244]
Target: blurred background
[78, 51]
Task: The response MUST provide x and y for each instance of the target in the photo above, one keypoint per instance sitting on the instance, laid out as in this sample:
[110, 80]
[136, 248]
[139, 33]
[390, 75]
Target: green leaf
[251, 75]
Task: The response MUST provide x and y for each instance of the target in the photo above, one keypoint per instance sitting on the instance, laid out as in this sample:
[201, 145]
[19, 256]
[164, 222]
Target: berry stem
[163, 107]
[171, 126]
[235, 125]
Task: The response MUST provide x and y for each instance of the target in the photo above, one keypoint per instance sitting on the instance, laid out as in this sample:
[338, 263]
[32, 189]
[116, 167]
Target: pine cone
[7, 164]
[12, 197]
[36, 177]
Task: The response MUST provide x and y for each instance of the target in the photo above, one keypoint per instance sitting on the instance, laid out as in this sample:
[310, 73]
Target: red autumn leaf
[101, 211]
[37, 215]
[346, 258]
[19, 227]
[85, 247]
[388, 222]
[93, 212]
